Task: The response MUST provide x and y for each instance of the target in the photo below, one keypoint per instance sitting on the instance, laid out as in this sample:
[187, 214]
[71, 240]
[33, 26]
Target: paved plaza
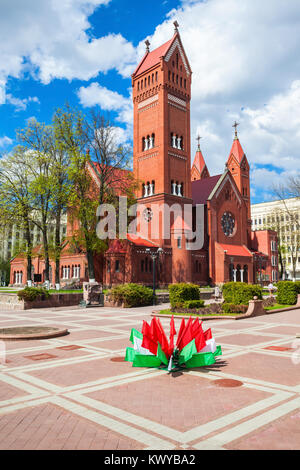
[76, 392]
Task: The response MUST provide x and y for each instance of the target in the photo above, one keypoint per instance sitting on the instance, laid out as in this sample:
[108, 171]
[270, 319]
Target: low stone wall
[11, 301]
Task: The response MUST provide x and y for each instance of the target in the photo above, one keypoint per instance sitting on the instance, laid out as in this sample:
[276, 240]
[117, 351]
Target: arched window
[146, 265]
[138, 86]
[156, 76]
[142, 265]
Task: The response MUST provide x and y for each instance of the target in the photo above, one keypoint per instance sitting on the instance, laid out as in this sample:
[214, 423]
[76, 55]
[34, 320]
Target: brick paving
[79, 394]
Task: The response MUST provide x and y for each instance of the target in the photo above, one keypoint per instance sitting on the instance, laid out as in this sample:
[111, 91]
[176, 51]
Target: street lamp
[154, 256]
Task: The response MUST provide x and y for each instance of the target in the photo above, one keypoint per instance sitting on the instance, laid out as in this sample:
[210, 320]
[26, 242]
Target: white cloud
[20, 104]
[96, 94]
[5, 141]
[54, 40]
[108, 100]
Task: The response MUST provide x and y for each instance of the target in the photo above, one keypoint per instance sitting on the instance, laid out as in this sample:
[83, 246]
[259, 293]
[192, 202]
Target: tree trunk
[91, 267]
[29, 251]
[46, 252]
[57, 247]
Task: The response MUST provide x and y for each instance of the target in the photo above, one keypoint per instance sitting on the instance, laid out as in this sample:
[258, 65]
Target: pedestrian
[270, 289]
[217, 293]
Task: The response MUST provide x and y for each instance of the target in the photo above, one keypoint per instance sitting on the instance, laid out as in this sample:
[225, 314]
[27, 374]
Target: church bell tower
[162, 161]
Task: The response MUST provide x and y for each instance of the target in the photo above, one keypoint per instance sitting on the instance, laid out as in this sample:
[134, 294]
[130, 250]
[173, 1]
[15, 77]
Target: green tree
[15, 197]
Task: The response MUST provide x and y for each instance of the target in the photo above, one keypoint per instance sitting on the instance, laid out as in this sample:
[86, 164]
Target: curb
[51, 334]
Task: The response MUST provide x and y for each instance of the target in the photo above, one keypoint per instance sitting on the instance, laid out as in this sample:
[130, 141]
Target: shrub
[232, 308]
[30, 294]
[179, 293]
[239, 293]
[287, 293]
[297, 285]
[132, 295]
[193, 304]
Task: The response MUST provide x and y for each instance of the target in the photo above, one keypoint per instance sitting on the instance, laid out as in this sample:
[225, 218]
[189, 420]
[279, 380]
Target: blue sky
[244, 57]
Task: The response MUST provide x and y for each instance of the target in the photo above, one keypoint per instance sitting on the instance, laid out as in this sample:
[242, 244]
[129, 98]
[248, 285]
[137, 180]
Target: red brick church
[162, 164]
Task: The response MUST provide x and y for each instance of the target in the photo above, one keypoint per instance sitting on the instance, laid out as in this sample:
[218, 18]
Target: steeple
[238, 166]
[199, 169]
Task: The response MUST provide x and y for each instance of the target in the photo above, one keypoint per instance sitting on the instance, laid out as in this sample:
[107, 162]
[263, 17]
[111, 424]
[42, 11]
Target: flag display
[151, 347]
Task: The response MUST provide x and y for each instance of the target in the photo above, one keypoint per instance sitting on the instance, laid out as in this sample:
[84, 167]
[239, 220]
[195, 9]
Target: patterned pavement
[75, 392]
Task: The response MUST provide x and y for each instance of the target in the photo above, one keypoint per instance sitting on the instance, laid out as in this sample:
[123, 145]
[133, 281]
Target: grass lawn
[278, 306]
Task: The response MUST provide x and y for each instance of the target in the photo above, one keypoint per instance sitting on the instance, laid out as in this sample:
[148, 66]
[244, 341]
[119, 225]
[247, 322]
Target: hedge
[32, 293]
[193, 304]
[297, 284]
[239, 293]
[132, 295]
[287, 293]
[232, 308]
[179, 293]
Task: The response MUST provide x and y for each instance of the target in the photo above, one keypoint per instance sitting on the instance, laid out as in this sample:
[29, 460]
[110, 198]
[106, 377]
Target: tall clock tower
[162, 162]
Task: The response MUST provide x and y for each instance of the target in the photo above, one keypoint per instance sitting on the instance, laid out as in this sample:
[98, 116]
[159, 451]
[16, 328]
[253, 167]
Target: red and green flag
[151, 347]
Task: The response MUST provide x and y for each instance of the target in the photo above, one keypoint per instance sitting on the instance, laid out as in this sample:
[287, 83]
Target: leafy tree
[15, 197]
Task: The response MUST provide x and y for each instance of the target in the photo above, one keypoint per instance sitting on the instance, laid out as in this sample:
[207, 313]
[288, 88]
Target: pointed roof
[199, 162]
[237, 151]
[152, 58]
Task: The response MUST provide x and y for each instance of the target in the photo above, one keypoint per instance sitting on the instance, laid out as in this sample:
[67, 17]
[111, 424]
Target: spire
[236, 149]
[147, 46]
[235, 125]
[199, 168]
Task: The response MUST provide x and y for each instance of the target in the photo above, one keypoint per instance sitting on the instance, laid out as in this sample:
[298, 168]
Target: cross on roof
[235, 125]
[147, 46]
[176, 24]
[198, 139]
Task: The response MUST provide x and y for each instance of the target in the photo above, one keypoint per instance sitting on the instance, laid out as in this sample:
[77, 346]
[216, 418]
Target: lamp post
[154, 256]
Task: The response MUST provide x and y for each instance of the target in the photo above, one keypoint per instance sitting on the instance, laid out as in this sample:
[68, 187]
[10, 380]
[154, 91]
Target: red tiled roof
[235, 250]
[140, 241]
[152, 58]
[199, 161]
[237, 150]
[201, 189]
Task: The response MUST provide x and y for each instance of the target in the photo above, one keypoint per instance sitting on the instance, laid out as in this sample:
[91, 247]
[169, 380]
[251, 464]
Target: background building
[283, 217]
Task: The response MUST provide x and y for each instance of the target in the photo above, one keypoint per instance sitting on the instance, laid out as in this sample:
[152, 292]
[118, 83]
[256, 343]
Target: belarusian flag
[141, 356]
[151, 348]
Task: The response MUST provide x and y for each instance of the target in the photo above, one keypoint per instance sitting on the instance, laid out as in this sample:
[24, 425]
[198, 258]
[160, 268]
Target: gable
[226, 178]
[177, 45]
